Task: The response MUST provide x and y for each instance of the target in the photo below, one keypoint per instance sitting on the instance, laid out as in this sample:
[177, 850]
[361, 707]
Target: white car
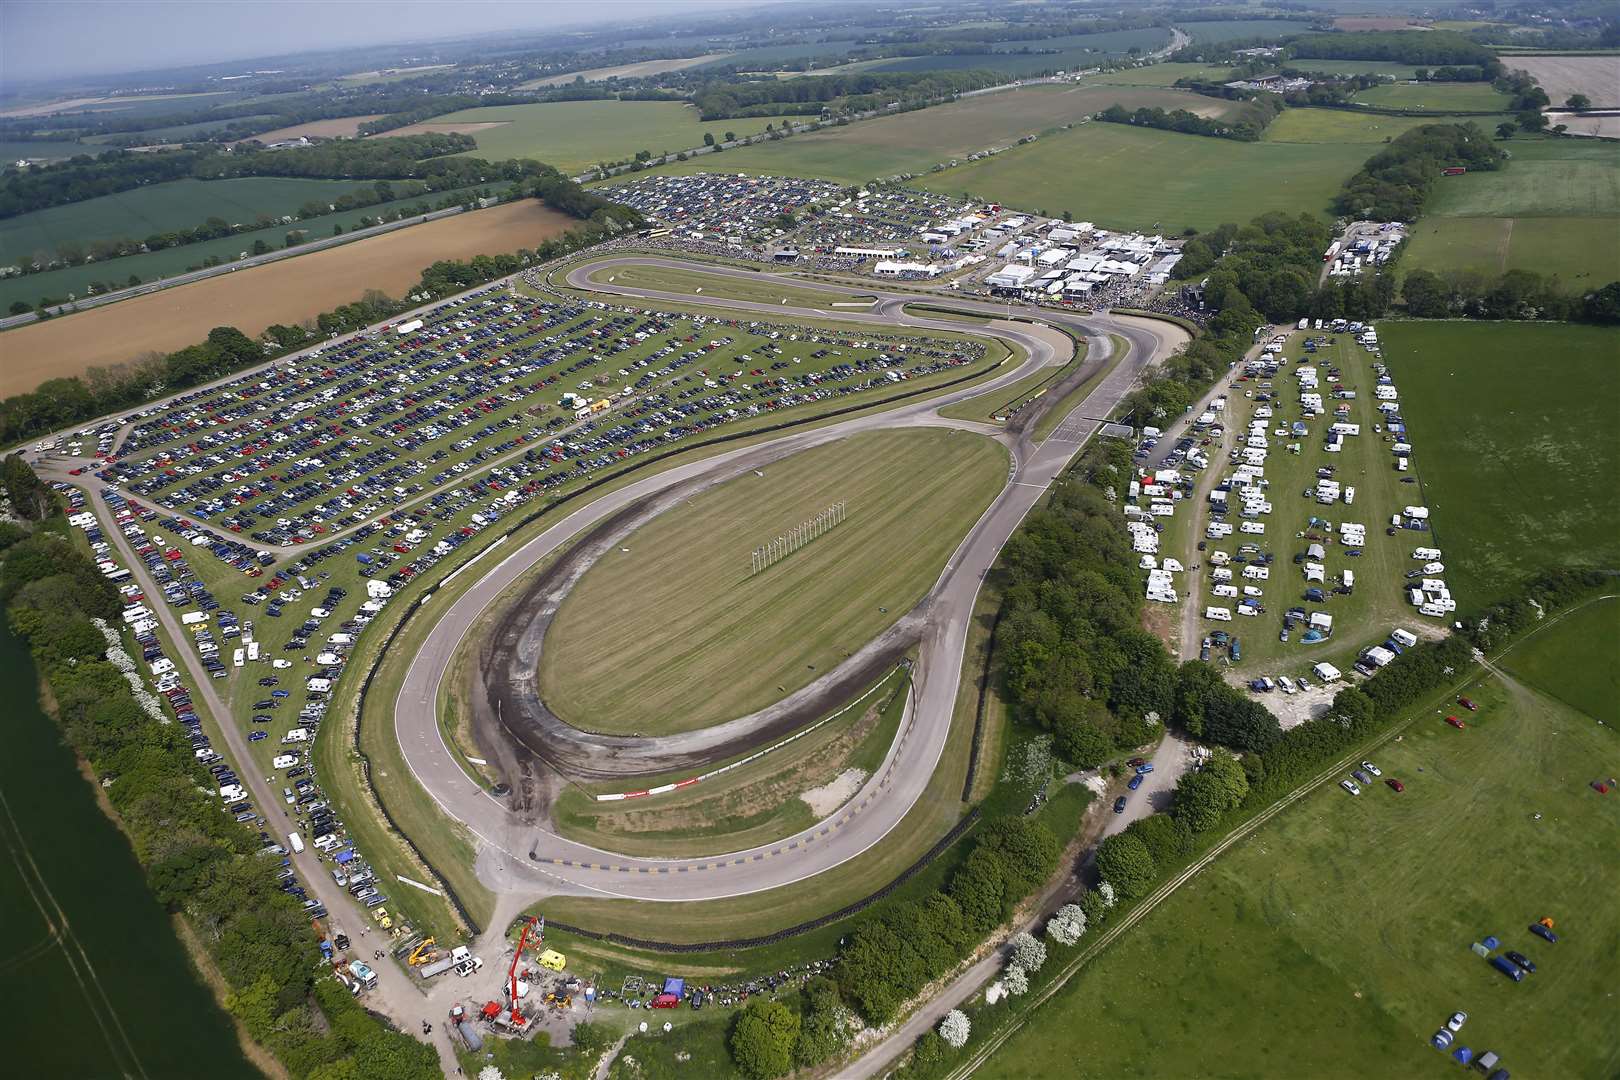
[1458, 1019]
[1350, 786]
[1370, 767]
[281, 663]
[1286, 683]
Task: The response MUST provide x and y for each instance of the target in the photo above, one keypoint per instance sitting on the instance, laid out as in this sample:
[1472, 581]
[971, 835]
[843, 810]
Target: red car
[1456, 723]
[1468, 704]
[1395, 785]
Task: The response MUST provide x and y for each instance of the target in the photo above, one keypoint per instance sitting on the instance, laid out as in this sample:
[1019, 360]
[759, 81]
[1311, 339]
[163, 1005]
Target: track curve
[523, 856]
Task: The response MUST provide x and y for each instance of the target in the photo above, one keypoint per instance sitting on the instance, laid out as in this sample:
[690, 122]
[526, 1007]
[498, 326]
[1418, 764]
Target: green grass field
[1515, 444]
[1554, 208]
[176, 204]
[574, 135]
[1335, 939]
[673, 634]
[1579, 250]
[1340, 126]
[1437, 97]
[1066, 53]
[1545, 178]
[1573, 661]
[1240, 29]
[1159, 75]
[1120, 176]
[156, 265]
[913, 142]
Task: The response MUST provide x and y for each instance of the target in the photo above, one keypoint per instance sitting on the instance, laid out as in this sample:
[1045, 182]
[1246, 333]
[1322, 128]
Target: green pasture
[574, 135]
[1337, 936]
[1574, 660]
[1437, 97]
[1220, 30]
[1067, 53]
[913, 142]
[670, 632]
[1544, 178]
[1355, 67]
[1125, 177]
[1159, 75]
[50, 151]
[176, 204]
[1515, 442]
[1581, 251]
[1341, 126]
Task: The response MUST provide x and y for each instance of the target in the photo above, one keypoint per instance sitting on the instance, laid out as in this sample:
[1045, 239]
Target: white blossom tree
[1015, 980]
[1106, 891]
[1067, 925]
[1028, 952]
[955, 1028]
[490, 1072]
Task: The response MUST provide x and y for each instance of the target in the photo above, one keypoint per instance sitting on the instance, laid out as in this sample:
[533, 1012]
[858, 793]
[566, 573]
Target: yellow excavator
[422, 954]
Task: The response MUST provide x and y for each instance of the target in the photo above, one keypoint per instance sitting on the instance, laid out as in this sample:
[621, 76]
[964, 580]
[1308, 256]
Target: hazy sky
[47, 39]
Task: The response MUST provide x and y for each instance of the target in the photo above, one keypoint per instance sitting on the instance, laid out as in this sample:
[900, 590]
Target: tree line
[718, 100]
[59, 403]
[1417, 47]
[198, 862]
[1394, 183]
[1247, 129]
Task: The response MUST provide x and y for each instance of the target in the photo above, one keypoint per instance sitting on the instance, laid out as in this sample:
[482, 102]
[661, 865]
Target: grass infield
[671, 633]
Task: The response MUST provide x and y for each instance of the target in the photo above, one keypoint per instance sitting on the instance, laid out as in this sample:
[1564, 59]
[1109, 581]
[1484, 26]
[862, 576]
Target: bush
[1028, 952]
[955, 1029]
[1068, 924]
[1123, 861]
[762, 1039]
[1015, 980]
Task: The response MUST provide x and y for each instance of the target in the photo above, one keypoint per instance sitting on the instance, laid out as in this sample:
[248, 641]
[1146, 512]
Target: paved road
[534, 859]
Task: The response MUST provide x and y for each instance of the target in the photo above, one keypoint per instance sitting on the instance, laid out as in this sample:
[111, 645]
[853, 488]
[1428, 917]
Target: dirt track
[289, 291]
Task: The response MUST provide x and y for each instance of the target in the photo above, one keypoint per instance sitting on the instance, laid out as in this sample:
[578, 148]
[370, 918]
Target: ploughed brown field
[288, 291]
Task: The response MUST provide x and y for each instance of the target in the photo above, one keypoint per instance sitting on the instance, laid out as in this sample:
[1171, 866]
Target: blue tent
[675, 986]
[345, 855]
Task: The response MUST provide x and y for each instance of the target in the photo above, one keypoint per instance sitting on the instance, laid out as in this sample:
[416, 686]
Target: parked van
[1219, 614]
[297, 843]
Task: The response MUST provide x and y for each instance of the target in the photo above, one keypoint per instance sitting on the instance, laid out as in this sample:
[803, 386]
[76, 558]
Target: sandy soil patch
[1598, 77]
[431, 128]
[624, 71]
[828, 797]
[288, 291]
[342, 127]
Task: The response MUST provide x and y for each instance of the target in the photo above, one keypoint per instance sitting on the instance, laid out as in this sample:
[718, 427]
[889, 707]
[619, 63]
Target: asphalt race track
[522, 856]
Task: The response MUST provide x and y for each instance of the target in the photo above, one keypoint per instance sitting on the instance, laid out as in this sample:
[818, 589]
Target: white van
[284, 761]
[1403, 637]
[297, 843]
[1219, 614]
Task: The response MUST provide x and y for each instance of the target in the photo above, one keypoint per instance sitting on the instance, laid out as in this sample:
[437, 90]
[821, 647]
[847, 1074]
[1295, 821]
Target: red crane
[511, 974]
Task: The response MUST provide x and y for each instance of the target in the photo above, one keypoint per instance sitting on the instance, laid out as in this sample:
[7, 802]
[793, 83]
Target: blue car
[1145, 767]
[1136, 782]
[258, 736]
[280, 693]
[1542, 932]
[1119, 805]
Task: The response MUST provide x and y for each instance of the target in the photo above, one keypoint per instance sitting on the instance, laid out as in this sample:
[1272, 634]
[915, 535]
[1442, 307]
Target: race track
[525, 857]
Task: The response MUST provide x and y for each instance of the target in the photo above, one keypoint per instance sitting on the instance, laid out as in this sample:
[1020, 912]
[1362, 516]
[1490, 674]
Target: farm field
[1598, 77]
[1545, 178]
[763, 291]
[1098, 171]
[1510, 467]
[1241, 29]
[1158, 75]
[337, 127]
[1437, 97]
[651, 639]
[1378, 604]
[1067, 53]
[913, 142]
[1580, 250]
[156, 265]
[47, 151]
[177, 204]
[626, 71]
[1362, 910]
[284, 292]
[1341, 126]
[94, 104]
[574, 135]
[1573, 660]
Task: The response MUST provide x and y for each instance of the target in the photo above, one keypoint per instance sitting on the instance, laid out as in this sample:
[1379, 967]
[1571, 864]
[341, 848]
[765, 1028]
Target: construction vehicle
[461, 1028]
[459, 955]
[424, 953]
[515, 990]
[382, 919]
[339, 938]
[552, 960]
[363, 975]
